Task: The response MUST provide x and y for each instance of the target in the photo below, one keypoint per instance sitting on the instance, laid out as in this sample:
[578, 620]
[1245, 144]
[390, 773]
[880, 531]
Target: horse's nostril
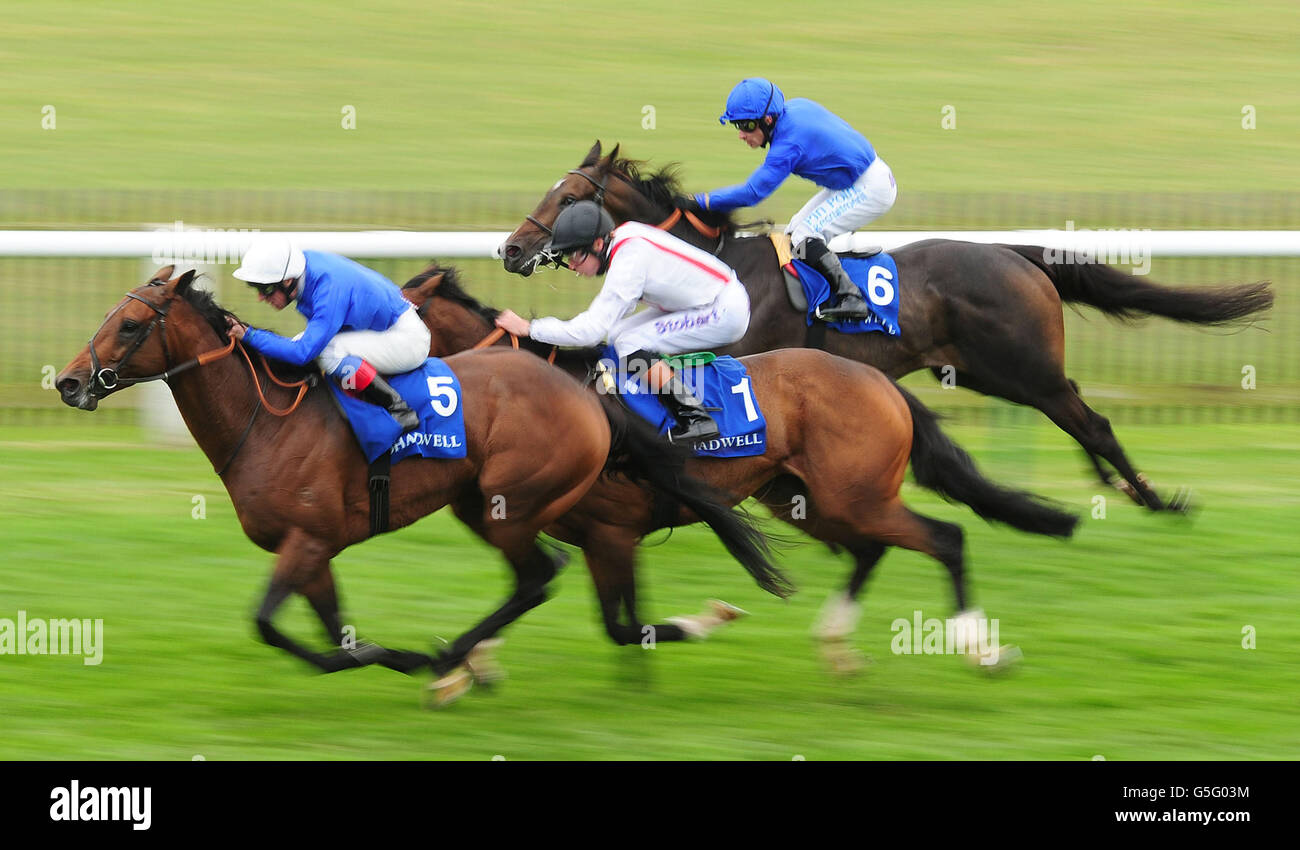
[512, 251]
[68, 386]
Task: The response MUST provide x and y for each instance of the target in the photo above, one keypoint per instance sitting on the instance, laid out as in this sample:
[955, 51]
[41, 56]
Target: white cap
[271, 261]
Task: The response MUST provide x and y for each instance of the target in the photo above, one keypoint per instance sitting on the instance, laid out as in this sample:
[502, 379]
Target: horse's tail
[638, 451]
[942, 466]
[1128, 297]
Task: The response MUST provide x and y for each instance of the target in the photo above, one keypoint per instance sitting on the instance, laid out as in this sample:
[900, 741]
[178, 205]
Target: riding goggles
[746, 125]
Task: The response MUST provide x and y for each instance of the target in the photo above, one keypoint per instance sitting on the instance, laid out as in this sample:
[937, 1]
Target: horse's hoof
[691, 626]
[842, 658]
[1129, 490]
[448, 689]
[997, 660]
[725, 611]
[482, 663]
[1181, 503]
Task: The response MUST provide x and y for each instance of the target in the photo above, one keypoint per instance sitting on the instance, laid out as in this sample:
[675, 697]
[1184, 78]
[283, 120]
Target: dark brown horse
[840, 436]
[992, 313]
[536, 441]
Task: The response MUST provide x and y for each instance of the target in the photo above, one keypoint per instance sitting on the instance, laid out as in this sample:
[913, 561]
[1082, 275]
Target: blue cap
[752, 99]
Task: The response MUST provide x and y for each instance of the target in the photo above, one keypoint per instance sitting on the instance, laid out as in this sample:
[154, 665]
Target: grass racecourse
[1146, 637]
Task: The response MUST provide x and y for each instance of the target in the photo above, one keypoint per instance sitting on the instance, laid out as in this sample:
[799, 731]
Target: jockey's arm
[326, 320]
[778, 165]
[618, 297]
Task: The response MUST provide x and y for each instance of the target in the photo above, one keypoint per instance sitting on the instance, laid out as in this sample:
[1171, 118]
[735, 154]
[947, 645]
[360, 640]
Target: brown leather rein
[492, 339]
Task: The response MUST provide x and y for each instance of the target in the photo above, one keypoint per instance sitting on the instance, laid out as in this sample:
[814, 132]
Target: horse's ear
[593, 155]
[613, 155]
[184, 283]
[163, 275]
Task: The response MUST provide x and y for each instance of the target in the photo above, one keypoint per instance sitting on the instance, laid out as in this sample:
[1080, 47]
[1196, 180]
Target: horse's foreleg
[322, 593]
[611, 560]
[302, 566]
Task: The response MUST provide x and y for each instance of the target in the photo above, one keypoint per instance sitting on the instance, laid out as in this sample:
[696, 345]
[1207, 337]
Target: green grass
[1106, 113]
[1101, 96]
[1132, 632]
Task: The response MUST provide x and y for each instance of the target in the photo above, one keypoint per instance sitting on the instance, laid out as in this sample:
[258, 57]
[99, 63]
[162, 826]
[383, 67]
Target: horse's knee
[267, 631]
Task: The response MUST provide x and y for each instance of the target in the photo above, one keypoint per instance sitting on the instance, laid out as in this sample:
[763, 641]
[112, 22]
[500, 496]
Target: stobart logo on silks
[433, 391]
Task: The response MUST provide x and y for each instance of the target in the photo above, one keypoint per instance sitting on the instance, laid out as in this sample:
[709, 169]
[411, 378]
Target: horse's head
[604, 179]
[132, 342]
[456, 321]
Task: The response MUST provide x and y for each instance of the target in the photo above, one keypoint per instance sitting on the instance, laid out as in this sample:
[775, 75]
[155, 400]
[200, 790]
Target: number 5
[441, 388]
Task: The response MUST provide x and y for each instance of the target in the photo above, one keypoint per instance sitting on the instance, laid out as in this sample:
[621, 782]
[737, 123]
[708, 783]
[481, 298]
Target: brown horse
[299, 480]
[820, 473]
[992, 313]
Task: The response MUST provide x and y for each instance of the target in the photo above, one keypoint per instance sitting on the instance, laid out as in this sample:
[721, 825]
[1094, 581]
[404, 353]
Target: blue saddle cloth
[433, 391]
[724, 384]
[876, 276]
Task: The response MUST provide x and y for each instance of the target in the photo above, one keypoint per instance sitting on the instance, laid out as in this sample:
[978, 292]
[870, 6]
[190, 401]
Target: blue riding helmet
[752, 99]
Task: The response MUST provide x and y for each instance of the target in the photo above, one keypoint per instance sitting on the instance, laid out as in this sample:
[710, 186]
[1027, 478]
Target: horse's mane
[206, 304]
[450, 289]
[663, 187]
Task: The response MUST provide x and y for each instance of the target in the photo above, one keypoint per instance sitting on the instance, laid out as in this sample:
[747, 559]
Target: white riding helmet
[271, 261]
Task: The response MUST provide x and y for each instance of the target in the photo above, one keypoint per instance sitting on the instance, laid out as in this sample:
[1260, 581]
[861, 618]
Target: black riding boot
[381, 393]
[851, 305]
[694, 424]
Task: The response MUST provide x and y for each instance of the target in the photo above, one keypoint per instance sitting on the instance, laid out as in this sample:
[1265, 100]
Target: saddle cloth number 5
[441, 388]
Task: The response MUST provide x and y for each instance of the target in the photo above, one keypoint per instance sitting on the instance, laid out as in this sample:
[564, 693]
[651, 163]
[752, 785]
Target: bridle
[104, 381]
[543, 258]
[599, 197]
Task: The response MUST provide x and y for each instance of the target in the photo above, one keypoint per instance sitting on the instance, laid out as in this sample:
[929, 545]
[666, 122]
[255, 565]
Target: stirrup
[842, 313]
[694, 429]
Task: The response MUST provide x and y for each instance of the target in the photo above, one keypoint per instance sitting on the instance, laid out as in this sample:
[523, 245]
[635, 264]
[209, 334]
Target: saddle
[793, 288]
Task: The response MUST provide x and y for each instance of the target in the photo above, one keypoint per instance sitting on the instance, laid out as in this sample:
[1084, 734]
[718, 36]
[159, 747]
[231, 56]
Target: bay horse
[840, 435]
[992, 313]
[535, 441]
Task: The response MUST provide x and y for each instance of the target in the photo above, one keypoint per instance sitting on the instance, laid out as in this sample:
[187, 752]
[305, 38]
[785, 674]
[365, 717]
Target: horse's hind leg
[970, 381]
[1068, 410]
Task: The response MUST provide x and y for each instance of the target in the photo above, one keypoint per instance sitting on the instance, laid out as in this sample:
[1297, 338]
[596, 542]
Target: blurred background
[323, 116]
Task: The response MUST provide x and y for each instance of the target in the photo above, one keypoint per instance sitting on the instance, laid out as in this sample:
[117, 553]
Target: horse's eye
[567, 200]
[130, 326]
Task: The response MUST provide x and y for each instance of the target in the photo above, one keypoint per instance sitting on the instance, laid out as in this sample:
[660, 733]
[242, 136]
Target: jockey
[358, 324]
[809, 140]
[695, 303]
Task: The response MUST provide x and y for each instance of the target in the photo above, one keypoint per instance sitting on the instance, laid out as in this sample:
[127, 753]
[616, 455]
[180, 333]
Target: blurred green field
[1051, 97]
[230, 116]
[1132, 633]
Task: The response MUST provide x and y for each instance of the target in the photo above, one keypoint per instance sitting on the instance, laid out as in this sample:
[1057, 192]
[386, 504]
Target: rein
[105, 380]
[492, 339]
[700, 227]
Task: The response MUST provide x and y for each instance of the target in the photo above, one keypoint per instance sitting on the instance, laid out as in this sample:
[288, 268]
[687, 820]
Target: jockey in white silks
[694, 303]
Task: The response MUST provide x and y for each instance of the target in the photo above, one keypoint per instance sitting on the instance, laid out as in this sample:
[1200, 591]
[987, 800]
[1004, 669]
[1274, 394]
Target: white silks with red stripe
[646, 264]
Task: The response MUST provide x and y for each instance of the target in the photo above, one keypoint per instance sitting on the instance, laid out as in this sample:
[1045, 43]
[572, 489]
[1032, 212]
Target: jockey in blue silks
[808, 140]
[359, 326]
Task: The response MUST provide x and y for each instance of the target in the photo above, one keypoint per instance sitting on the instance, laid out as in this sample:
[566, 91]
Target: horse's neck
[217, 400]
[462, 333]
